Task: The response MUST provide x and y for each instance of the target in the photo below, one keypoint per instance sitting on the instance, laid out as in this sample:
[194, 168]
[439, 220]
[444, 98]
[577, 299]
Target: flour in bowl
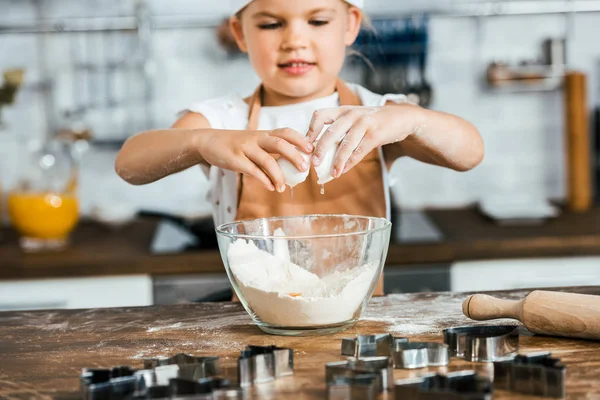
[283, 294]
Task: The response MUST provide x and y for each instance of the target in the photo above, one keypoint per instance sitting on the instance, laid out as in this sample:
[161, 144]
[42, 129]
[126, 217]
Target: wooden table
[42, 353]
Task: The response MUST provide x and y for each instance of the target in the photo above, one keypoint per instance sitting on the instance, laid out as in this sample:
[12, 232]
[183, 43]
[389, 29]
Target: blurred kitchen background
[81, 76]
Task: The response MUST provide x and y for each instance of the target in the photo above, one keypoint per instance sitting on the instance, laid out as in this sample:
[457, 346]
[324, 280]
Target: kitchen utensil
[203, 389]
[202, 227]
[178, 376]
[543, 312]
[114, 383]
[554, 52]
[458, 385]
[43, 206]
[517, 209]
[359, 387]
[352, 368]
[412, 355]
[596, 165]
[533, 374]
[370, 345]
[186, 366]
[258, 364]
[335, 262]
[483, 343]
[577, 142]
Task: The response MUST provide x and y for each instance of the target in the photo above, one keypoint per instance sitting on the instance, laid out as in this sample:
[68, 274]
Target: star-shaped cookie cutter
[259, 364]
[363, 387]
[183, 366]
[535, 374]
[370, 345]
[98, 383]
[413, 355]
[380, 368]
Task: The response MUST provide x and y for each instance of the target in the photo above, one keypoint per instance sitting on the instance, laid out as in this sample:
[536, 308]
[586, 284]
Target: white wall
[523, 132]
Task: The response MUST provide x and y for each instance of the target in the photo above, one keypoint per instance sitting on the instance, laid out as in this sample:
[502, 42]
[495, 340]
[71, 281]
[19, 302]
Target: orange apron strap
[254, 104]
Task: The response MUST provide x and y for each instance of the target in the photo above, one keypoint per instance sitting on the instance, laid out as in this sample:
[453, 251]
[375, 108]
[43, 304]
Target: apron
[360, 191]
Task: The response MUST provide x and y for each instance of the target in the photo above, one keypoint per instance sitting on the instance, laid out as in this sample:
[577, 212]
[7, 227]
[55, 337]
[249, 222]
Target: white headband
[237, 5]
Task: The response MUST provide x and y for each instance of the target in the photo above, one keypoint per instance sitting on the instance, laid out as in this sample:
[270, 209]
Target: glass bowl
[304, 275]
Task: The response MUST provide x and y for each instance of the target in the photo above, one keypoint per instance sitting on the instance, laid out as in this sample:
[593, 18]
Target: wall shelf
[196, 21]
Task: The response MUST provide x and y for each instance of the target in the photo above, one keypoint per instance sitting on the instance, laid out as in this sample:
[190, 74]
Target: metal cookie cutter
[359, 387]
[412, 355]
[536, 374]
[96, 384]
[380, 368]
[370, 345]
[258, 364]
[483, 343]
[460, 385]
[182, 366]
[203, 389]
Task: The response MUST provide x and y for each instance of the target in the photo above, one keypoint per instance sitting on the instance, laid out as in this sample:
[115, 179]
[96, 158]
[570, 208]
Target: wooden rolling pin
[546, 313]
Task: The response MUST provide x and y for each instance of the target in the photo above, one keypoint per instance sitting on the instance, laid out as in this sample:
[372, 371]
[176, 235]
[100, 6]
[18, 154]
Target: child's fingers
[335, 133]
[293, 137]
[267, 163]
[321, 118]
[351, 142]
[363, 148]
[280, 146]
[250, 168]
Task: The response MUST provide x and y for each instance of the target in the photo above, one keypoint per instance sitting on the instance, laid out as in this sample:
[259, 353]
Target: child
[297, 48]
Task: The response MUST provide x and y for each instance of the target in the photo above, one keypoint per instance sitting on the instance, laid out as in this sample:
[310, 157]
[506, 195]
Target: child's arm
[404, 129]
[154, 154]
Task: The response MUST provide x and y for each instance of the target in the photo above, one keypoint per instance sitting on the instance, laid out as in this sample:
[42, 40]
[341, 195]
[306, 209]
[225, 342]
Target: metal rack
[141, 24]
[105, 83]
[195, 21]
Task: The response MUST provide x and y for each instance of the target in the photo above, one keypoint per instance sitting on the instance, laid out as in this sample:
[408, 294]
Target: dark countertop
[43, 352]
[468, 235]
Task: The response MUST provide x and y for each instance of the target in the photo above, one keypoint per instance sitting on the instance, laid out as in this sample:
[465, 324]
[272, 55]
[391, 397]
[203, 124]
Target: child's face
[297, 48]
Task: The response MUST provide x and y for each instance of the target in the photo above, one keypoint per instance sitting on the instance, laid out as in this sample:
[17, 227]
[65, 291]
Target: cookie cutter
[413, 355]
[359, 387]
[164, 377]
[459, 385]
[370, 345]
[486, 343]
[379, 367]
[96, 383]
[183, 366]
[260, 364]
[204, 389]
[536, 374]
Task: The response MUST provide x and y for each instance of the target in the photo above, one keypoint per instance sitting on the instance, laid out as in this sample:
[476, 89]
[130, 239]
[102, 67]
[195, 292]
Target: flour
[283, 294]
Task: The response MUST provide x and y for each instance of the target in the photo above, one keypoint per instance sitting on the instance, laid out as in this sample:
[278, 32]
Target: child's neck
[272, 98]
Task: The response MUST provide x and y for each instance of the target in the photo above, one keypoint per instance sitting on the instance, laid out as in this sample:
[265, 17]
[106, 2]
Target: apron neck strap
[346, 95]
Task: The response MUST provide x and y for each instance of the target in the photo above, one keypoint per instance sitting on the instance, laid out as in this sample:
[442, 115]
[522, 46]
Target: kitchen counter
[465, 235]
[43, 352]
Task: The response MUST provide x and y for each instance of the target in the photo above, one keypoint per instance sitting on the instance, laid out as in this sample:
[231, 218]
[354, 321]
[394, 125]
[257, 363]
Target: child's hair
[366, 25]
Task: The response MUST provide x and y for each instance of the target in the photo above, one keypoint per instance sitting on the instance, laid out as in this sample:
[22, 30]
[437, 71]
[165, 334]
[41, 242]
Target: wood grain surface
[42, 353]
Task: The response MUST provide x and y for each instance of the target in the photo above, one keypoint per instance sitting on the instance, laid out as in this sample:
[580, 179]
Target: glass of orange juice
[43, 206]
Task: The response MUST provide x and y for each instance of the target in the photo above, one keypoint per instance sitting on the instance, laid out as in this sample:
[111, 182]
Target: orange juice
[43, 215]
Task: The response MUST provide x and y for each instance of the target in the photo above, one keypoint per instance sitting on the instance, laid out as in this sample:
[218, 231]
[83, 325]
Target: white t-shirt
[231, 113]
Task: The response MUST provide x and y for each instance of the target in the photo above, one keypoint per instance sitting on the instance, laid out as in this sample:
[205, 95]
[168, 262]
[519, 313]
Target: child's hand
[360, 130]
[250, 153]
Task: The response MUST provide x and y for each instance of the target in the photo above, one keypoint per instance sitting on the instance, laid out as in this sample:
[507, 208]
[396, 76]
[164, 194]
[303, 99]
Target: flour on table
[283, 294]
